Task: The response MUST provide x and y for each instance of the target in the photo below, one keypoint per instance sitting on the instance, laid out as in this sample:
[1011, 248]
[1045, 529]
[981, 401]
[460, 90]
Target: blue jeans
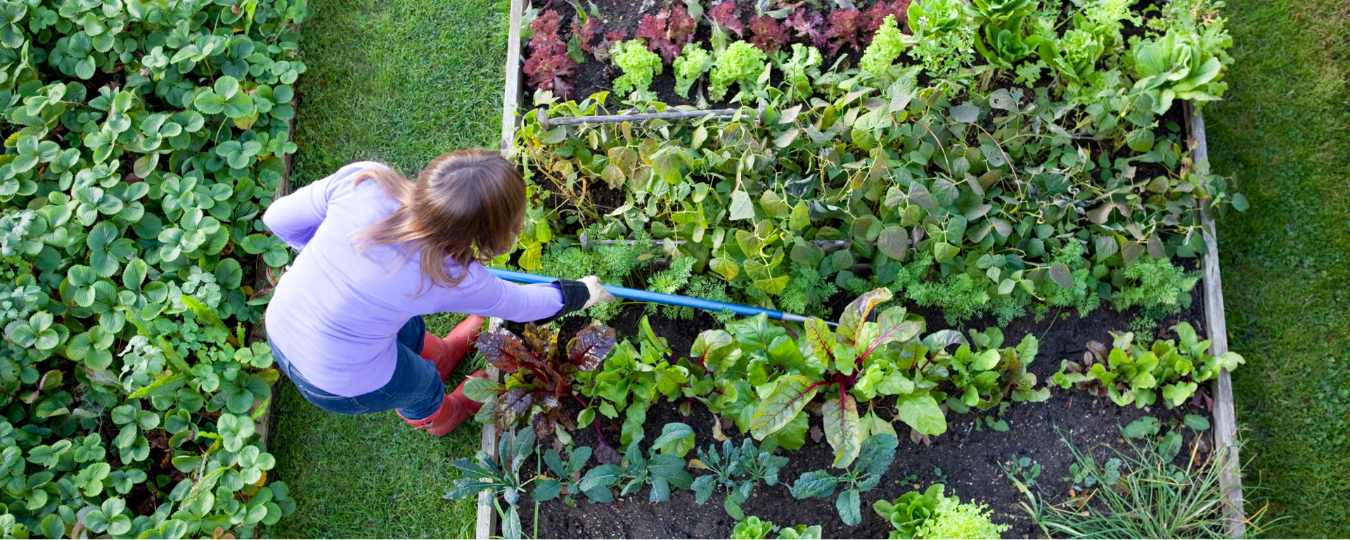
[415, 390]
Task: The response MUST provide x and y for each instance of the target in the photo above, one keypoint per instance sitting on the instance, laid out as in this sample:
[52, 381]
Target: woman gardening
[376, 252]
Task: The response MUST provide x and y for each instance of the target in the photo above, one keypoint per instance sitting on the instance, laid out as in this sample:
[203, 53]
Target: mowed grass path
[1283, 131]
[398, 81]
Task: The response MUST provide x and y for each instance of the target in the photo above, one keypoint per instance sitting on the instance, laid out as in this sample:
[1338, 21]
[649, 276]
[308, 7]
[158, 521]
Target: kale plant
[500, 476]
[736, 469]
[660, 470]
[568, 481]
[874, 459]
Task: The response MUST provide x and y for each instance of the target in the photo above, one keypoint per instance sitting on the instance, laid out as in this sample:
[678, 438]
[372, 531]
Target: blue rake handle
[660, 298]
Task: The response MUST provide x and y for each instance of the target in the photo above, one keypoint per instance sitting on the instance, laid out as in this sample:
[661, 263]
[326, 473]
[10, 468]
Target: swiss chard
[539, 374]
[1132, 374]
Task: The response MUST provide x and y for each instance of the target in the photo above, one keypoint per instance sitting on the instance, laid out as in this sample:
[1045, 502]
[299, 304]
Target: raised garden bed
[970, 462]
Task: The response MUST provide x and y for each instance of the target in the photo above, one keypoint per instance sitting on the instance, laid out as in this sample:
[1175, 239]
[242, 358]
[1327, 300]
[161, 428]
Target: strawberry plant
[539, 373]
[145, 141]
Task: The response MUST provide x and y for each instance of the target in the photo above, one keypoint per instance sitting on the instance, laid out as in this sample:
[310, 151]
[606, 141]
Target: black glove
[579, 294]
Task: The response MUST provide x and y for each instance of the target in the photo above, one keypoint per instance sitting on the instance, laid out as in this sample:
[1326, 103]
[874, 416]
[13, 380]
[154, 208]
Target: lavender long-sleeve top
[336, 312]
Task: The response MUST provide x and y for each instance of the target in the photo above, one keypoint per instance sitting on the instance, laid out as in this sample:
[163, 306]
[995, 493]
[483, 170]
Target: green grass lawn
[398, 81]
[402, 81]
[1284, 132]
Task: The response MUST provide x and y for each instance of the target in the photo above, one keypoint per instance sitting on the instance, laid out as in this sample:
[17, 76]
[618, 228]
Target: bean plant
[935, 180]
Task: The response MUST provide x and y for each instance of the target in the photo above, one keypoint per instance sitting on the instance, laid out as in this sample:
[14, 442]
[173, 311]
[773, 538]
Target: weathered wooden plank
[486, 526]
[263, 426]
[641, 117]
[1225, 415]
[487, 514]
[512, 93]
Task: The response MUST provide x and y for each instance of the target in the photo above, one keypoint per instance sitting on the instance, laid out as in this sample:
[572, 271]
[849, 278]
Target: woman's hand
[598, 292]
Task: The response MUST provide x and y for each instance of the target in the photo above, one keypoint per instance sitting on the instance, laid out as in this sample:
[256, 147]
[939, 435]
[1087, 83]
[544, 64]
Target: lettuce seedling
[767, 34]
[808, 25]
[887, 45]
[1129, 374]
[725, 19]
[799, 70]
[873, 461]
[667, 32]
[1176, 66]
[549, 64]
[909, 512]
[741, 63]
[692, 64]
[876, 15]
[752, 528]
[639, 66]
[846, 27]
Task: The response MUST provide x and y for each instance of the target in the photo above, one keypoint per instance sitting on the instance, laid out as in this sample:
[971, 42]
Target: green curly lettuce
[956, 520]
[693, 62]
[742, 63]
[639, 66]
[886, 46]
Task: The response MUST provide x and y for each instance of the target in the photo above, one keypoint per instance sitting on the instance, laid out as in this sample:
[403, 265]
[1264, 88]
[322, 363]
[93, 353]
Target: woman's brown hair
[465, 206]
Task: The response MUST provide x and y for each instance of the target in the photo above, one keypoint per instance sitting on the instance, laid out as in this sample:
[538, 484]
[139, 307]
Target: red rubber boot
[448, 351]
[455, 409]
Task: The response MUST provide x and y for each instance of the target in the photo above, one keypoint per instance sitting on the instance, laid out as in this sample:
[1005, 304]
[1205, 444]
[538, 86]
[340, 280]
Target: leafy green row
[144, 140]
[953, 188]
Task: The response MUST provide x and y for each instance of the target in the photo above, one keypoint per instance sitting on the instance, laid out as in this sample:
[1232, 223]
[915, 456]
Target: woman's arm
[295, 217]
[481, 293]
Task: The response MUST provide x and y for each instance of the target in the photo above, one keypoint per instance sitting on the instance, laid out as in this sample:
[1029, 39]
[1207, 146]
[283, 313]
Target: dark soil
[967, 460]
